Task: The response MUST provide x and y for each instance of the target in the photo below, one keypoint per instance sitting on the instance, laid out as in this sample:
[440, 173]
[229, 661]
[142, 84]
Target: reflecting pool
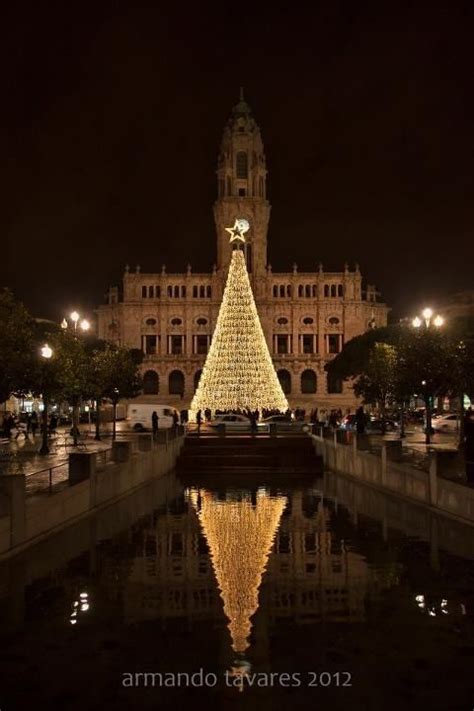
[255, 595]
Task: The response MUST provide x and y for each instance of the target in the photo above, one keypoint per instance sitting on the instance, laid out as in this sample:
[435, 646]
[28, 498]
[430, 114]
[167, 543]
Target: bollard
[433, 480]
[82, 466]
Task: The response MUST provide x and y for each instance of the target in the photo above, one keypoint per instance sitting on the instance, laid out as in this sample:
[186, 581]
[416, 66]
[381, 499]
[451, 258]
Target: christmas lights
[238, 373]
[240, 536]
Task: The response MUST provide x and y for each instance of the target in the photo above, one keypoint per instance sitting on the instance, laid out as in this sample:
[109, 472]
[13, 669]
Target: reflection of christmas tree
[238, 372]
[240, 535]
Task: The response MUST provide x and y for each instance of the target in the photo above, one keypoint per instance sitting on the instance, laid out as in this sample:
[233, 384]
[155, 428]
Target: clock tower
[241, 185]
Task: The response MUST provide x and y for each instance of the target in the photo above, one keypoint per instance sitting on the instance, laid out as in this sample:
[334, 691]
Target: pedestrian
[154, 422]
[34, 423]
[175, 419]
[360, 420]
[469, 444]
[199, 419]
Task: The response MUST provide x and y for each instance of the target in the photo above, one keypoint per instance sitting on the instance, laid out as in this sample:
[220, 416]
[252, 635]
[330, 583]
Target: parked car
[232, 422]
[283, 424]
[446, 423]
[373, 425]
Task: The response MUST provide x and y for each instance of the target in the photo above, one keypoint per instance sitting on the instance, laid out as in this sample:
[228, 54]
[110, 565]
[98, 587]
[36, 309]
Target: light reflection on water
[245, 579]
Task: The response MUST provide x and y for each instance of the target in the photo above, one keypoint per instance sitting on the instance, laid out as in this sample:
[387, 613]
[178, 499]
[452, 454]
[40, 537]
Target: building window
[334, 385]
[201, 344]
[333, 290]
[149, 344]
[150, 383]
[241, 165]
[201, 321]
[334, 321]
[183, 292]
[326, 290]
[275, 290]
[176, 345]
[176, 322]
[202, 292]
[333, 342]
[340, 290]
[157, 291]
[308, 320]
[241, 192]
[170, 291]
[285, 381]
[176, 383]
[314, 289]
[195, 292]
[282, 344]
[197, 378]
[288, 290]
[307, 342]
[282, 321]
[307, 291]
[300, 290]
[144, 292]
[176, 292]
[208, 292]
[308, 382]
[151, 322]
[150, 292]
[282, 291]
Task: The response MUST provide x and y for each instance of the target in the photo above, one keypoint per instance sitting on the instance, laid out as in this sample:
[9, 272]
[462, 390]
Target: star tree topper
[237, 232]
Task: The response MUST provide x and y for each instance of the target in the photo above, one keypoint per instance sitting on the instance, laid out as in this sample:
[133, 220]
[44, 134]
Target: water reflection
[240, 534]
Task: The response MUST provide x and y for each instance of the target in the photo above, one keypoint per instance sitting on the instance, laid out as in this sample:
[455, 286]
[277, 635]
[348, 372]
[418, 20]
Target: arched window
[144, 292]
[275, 290]
[314, 290]
[157, 291]
[288, 289]
[285, 381]
[334, 384]
[202, 292]
[176, 292]
[208, 292]
[326, 290]
[307, 291]
[195, 292]
[309, 381]
[340, 291]
[201, 321]
[282, 321]
[334, 321]
[176, 322]
[197, 378]
[183, 292]
[150, 292]
[150, 383]
[282, 291]
[300, 290]
[308, 320]
[176, 383]
[150, 322]
[170, 291]
[241, 165]
[333, 290]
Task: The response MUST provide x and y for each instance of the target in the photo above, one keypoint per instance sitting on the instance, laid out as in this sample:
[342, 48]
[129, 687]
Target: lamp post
[46, 353]
[84, 326]
[427, 321]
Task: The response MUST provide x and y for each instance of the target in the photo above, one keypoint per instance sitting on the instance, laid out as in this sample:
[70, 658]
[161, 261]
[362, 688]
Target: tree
[238, 372]
[17, 341]
[377, 385]
[114, 376]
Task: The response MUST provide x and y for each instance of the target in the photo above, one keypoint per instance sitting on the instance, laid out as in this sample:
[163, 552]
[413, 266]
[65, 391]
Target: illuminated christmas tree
[238, 373]
[240, 536]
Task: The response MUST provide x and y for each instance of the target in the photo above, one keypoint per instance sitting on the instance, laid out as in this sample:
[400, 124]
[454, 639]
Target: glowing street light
[46, 351]
[74, 316]
[416, 323]
[85, 325]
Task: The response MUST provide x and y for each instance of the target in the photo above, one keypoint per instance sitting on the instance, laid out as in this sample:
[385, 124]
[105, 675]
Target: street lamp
[46, 353]
[427, 321]
[85, 325]
[74, 316]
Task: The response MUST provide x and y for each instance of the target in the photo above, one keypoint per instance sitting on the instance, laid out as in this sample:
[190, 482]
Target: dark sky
[112, 116]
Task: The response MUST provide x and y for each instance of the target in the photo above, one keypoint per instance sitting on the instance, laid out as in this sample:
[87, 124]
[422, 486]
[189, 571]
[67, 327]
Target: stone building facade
[306, 316]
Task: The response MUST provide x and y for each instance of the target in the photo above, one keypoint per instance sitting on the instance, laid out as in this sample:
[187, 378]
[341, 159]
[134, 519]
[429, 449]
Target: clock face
[243, 225]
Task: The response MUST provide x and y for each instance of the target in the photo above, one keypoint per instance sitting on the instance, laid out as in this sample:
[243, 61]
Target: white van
[139, 416]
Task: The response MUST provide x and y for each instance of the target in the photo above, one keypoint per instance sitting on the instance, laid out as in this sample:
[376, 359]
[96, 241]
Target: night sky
[112, 117]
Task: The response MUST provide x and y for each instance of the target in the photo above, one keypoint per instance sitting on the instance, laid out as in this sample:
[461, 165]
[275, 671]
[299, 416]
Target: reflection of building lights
[82, 595]
[432, 612]
[73, 622]
[84, 607]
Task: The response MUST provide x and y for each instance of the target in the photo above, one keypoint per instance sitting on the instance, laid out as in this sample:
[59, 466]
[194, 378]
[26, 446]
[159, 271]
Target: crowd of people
[25, 425]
